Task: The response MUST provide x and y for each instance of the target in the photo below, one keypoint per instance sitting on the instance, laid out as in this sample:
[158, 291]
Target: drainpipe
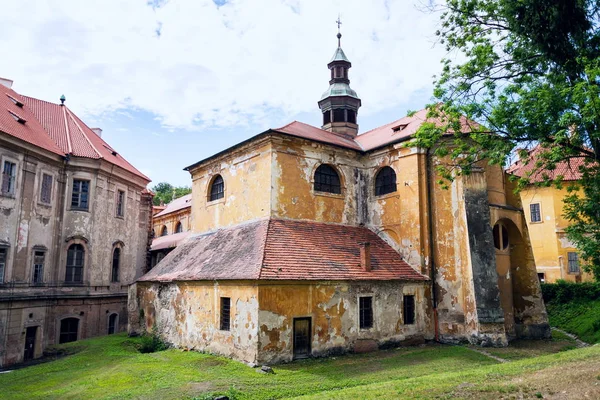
[428, 179]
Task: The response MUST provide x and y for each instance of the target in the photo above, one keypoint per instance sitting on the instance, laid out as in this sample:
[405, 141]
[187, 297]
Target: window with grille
[365, 309]
[225, 313]
[9, 178]
[120, 203]
[3, 253]
[500, 237]
[116, 260]
[75, 260]
[217, 189]
[39, 258]
[178, 228]
[409, 309]
[69, 328]
[573, 262]
[385, 181]
[46, 189]
[535, 212]
[80, 194]
[327, 180]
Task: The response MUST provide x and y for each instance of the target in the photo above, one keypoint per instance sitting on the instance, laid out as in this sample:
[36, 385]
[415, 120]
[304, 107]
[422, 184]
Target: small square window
[535, 212]
[46, 189]
[365, 307]
[120, 203]
[409, 310]
[80, 194]
[225, 313]
[9, 178]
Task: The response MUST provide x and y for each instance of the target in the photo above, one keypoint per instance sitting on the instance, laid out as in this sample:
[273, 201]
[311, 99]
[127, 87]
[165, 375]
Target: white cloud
[193, 64]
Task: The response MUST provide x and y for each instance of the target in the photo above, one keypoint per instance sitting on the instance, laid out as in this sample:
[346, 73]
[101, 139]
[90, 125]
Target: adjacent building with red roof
[309, 241]
[74, 228]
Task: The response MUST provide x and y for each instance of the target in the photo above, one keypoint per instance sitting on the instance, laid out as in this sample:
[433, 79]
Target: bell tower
[340, 104]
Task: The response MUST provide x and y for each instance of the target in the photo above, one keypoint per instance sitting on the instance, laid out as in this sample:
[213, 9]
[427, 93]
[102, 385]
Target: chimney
[97, 131]
[365, 256]
[6, 82]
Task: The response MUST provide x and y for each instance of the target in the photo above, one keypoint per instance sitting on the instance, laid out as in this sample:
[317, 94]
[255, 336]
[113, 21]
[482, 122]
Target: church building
[312, 241]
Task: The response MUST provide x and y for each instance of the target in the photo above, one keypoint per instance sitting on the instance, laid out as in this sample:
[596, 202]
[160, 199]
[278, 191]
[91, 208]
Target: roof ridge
[285, 126]
[390, 123]
[69, 145]
[264, 248]
[83, 133]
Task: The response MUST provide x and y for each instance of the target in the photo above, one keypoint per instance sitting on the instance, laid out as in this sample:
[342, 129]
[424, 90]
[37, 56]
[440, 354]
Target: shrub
[563, 292]
[151, 343]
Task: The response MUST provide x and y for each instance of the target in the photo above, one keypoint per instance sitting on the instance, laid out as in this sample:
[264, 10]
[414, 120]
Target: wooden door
[302, 335]
[30, 343]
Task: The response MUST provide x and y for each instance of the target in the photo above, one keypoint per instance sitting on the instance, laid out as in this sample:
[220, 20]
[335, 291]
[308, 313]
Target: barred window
[39, 258]
[80, 194]
[225, 313]
[385, 181]
[409, 309]
[116, 260]
[327, 180]
[365, 309]
[3, 253]
[9, 177]
[75, 260]
[120, 203]
[535, 212]
[573, 262]
[46, 189]
[217, 188]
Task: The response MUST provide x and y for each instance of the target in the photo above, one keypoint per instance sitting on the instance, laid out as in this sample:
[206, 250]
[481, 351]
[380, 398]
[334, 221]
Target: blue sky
[171, 82]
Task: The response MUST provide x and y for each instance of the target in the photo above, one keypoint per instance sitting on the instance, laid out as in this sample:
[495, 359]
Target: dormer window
[17, 102]
[17, 117]
[399, 128]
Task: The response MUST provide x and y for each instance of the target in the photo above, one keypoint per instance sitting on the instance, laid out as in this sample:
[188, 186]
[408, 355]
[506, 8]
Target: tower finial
[62, 100]
[339, 35]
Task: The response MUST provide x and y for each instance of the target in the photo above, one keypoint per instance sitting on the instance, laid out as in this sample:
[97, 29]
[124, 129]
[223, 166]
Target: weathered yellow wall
[170, 221]
[247, 176]
[548, 239]
[333, 308]
[187, 314]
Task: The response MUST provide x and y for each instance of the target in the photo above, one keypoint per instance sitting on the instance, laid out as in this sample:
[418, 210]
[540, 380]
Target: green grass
[111, 368]
[580, 317]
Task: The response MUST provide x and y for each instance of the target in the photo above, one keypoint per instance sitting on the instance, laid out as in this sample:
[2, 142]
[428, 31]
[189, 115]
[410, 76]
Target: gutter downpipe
[431, 249]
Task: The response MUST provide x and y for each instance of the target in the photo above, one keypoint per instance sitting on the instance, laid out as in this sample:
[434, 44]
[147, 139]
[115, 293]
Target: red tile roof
[55, 128]
[169, 241]
[306, 131]
[279, 249]
[568, 169]
[176, 205]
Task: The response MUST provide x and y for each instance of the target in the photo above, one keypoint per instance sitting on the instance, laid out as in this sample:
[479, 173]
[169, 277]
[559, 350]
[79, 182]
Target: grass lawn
[112, 368]
[580, 317]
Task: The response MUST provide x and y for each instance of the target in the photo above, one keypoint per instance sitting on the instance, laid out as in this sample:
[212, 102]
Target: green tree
[528, 71]
[165, 192]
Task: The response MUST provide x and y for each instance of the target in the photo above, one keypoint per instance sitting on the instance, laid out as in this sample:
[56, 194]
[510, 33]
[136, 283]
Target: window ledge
[536, 222]
[120, 217]
[45, 205]
[215, 202]
[327, 194]
[387, 196]
[8, 195]
[79, 209]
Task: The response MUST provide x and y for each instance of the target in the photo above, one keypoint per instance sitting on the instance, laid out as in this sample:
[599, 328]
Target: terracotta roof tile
[306, 131]
[176, 205]
[280, 249]
[169, 241]
[568, 169]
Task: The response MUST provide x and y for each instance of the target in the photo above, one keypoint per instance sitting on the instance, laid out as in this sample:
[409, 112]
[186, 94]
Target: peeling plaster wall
[247, 175]
[187, 315]
[333, 309]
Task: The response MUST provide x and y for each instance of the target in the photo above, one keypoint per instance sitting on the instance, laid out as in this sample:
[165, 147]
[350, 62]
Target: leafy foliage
[563, 292]
[528, 72]
[151, 343]
[165, 192]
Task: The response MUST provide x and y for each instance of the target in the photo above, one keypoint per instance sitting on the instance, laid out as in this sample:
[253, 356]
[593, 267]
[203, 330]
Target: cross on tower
[339, 35]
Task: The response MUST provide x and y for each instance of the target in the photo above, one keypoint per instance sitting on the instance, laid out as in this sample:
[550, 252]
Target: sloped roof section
[310, 132]
[279, 249]
[568, 169]
[169, 241]
[176, 205]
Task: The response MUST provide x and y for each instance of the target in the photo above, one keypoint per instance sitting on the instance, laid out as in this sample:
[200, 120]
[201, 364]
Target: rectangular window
[9, 178]
[225, 313]
[39, 257]
[535, 211]
[120, 203]
[573, 262]
[80, 194]
[409, 310]
[46, 189]
[3, 252]
[542, 277]
[365, 308]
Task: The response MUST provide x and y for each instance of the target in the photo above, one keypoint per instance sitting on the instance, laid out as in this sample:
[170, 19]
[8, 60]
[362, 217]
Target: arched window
[217, 189]
[116, 260]
[75, 260]
[178, 227]
[500, 237]
[112, 323]
[164, 231]
[327, 180]
[69, 328]
[385, 181]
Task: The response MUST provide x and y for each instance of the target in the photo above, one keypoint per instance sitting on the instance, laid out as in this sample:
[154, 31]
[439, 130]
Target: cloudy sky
[173, 81]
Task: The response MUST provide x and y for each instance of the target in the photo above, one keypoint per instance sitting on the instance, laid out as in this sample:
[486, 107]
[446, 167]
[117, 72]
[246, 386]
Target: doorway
[30, 343]
[302, 329]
